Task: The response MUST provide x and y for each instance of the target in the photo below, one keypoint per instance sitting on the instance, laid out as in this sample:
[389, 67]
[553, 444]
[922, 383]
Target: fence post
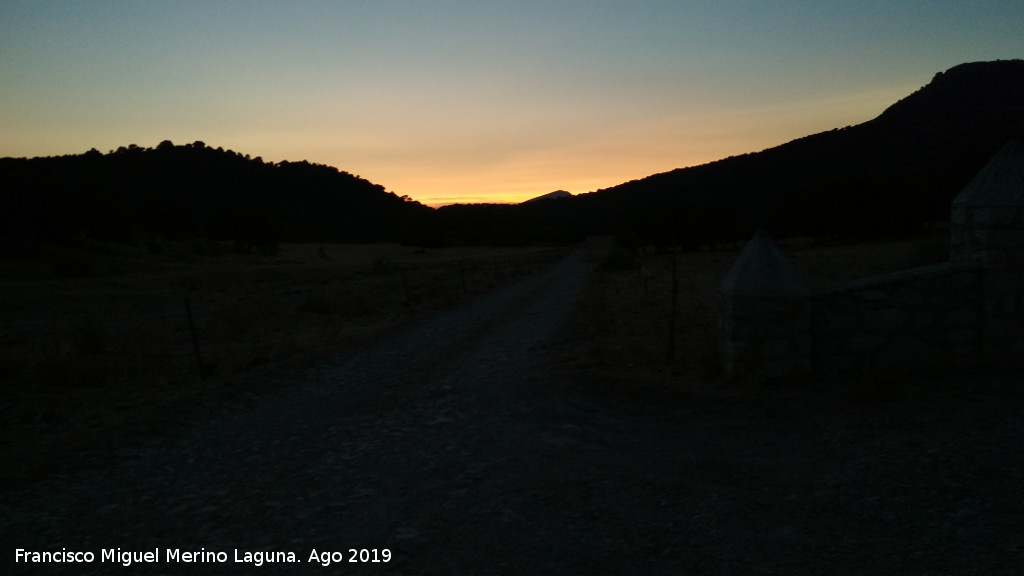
[672, 312]
[405, 287]
[195, 340]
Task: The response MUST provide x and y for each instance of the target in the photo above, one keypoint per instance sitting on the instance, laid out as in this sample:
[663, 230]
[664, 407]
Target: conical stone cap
[762, 270]
[999, 183]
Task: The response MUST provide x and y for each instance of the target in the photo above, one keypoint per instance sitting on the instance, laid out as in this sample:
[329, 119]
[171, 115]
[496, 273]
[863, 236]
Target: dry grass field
[622, 341]
[96, 349]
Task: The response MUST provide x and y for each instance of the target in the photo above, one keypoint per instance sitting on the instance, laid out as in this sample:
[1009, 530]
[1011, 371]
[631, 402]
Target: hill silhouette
[891, 175]
[193, 191]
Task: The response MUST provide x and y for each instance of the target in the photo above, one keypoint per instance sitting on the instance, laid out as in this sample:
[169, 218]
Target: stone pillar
[987, 226]
[764, 315]
[987, 217]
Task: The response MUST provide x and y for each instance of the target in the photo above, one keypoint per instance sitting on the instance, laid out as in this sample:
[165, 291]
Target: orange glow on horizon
[629, 152]
[599, 158]
[464, 101]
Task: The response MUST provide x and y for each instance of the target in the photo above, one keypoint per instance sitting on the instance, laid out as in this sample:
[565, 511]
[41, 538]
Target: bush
[60, 366]
[68, 267]
[315, 304]
[351, 303]
[89, 337]
[618, 260]
[931, 250]
[236, 321]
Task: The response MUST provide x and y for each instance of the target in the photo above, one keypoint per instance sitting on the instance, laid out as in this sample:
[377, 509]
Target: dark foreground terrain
[477, 442]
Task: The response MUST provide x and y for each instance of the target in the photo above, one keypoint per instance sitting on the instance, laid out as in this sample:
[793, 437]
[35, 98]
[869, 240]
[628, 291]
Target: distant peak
[549, 196]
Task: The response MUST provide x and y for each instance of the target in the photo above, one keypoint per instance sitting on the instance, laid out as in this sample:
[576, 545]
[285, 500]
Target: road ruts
[456, 446]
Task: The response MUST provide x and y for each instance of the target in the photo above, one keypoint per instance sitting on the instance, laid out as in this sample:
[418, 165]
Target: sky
[450, 101]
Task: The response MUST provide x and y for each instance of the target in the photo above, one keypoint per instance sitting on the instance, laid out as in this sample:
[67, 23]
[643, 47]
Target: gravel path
[454, 446]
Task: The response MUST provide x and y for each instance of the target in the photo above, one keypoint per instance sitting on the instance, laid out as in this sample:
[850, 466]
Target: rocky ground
[461, 446]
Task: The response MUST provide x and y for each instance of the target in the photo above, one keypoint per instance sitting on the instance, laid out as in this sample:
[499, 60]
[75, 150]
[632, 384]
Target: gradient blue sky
[474, 100]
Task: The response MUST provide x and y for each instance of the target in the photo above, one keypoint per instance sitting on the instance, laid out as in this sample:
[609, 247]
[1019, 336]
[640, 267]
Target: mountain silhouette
[894, 174]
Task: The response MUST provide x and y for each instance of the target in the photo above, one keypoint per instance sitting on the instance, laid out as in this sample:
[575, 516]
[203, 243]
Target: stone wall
[992, 235]
[924, 320]
[956, 316]
[927, 320]
[966, 314]
[1003, 313]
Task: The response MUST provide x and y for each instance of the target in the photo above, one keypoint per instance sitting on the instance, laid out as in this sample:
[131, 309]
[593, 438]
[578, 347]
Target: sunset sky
[475, 100]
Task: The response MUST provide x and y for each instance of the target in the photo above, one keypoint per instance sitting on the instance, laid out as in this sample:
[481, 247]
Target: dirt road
[455, 446]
